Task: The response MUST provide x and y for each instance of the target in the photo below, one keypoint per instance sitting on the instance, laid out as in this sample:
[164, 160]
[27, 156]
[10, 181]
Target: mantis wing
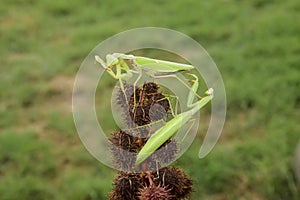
[163, 66]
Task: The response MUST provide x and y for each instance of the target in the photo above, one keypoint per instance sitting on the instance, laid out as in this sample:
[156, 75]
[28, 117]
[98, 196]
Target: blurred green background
[256, 45]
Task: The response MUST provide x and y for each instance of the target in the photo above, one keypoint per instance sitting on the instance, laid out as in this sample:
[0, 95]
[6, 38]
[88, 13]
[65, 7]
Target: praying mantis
[153, 67]
[157, 69]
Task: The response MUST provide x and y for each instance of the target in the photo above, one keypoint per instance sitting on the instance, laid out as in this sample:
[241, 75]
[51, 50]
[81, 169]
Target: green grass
[255, 44]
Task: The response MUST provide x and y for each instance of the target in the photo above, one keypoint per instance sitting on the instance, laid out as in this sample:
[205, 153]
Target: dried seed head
[153, 192]
[149, 104]
[122, 148]
[126, 186]
[124, 145]
[145, 98]
[150, 87]
[175, 179]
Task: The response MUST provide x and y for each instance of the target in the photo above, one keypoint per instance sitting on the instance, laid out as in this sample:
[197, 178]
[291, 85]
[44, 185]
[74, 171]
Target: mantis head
[113, 59]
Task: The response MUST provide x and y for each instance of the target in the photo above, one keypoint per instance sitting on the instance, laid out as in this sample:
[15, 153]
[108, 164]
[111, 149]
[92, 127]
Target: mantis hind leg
[193, 91]
[168, 98]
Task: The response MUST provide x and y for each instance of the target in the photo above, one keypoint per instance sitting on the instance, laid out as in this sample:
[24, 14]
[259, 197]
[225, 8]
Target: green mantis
[122, 67]
[153, 67]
